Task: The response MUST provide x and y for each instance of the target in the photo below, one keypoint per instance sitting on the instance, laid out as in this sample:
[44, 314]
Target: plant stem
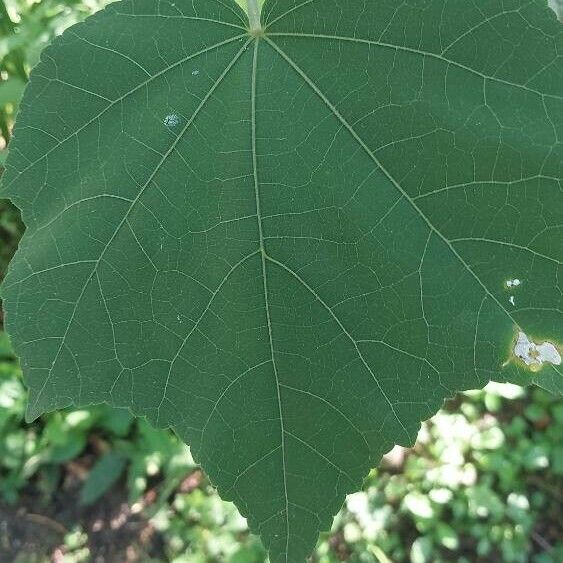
[253, 8]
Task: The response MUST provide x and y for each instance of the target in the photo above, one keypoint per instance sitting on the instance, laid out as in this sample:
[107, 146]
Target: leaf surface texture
[292, 247]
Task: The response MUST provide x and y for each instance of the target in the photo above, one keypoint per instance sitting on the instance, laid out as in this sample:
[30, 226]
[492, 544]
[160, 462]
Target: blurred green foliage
[557, 7]
[483, 482]
[26, 26]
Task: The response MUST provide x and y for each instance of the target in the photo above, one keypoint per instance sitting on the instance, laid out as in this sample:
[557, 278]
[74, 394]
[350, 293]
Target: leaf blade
[271, 244]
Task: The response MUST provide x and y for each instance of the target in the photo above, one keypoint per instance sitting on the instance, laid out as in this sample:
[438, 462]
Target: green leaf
[116, 421]
[103, 475]
[291, 244]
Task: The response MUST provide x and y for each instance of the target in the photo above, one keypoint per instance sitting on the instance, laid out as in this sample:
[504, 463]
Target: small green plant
[290, 235]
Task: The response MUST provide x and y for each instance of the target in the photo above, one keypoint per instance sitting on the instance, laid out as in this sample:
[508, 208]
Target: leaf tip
[31, 414]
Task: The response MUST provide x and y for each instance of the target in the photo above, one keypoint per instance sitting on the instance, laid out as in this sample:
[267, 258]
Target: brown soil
[33, 530]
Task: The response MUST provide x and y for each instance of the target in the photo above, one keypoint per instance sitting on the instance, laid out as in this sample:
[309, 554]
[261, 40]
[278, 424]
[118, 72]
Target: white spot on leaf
[195, 72]
[512, 301]
[171, 120]
[513, 283]
[535, 355]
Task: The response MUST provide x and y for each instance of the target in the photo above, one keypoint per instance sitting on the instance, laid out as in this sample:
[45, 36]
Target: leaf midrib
[265, 286]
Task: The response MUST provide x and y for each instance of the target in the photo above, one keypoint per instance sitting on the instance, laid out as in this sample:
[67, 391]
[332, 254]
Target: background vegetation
[483, 482]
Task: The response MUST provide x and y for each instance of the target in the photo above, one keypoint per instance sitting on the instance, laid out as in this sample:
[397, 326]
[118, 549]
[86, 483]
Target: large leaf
[290, 245]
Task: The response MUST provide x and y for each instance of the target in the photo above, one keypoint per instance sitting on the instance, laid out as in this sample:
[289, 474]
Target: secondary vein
[391, 178]
[128, 212]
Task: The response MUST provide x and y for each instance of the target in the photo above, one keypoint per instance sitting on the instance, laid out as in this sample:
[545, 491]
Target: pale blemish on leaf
[513, 283]
[171, 120]
[535, 355]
